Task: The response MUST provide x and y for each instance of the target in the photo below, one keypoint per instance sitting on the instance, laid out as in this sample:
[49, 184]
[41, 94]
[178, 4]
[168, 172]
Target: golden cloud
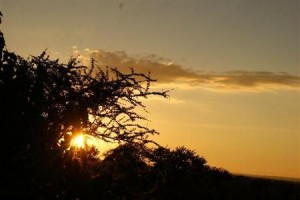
[167, 72]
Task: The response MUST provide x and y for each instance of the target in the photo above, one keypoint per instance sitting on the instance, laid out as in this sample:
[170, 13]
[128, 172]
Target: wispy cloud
[167, 72]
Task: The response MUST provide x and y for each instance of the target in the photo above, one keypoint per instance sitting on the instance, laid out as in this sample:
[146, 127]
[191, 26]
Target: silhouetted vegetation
[44, 103]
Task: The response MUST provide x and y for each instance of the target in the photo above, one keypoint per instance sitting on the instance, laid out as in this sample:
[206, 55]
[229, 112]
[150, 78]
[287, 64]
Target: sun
[82, 141]
[79, 141]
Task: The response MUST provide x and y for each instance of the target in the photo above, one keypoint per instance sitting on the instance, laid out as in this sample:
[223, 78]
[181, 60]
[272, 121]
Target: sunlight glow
[79, 141]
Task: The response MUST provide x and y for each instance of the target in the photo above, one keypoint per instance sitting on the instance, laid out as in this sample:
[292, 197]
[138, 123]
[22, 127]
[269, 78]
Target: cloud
[170, 100]
[167, 72]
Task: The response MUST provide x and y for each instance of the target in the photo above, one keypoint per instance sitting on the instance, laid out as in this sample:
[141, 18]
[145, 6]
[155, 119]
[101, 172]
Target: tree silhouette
[2, 41]
[125, 171]
[180, 159]
[44, 103]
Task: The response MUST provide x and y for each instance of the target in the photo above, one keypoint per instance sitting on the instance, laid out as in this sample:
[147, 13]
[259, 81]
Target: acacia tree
[45, 102]
[70, 97]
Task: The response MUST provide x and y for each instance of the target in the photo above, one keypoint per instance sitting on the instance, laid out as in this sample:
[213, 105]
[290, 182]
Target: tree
[45, 102]
[125, 171]
[180, 159]
[2, 41]
[66, 98]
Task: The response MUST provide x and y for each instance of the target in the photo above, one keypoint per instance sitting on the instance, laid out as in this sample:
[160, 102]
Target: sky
[234, 67]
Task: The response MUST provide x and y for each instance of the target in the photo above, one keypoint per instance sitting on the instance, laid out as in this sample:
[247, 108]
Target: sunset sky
[233, 64]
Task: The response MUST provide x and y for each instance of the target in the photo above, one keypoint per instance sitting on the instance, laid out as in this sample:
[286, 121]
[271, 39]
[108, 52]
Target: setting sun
[79, 141]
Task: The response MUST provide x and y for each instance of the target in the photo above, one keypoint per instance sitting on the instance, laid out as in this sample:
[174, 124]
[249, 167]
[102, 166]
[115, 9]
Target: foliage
[66, 96]
[180, 159]
[45, 102]
[2, 41]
